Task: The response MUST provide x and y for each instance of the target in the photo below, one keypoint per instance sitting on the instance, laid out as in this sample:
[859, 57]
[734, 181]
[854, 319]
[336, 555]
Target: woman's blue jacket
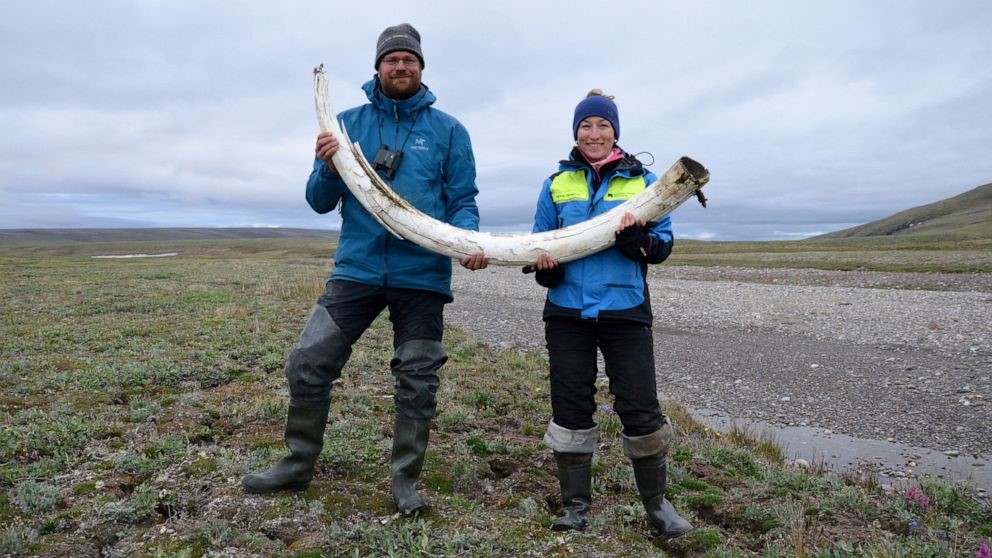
[608, 284]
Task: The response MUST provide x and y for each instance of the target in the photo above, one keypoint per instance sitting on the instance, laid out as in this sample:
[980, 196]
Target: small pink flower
[916, 496]
[984, 551]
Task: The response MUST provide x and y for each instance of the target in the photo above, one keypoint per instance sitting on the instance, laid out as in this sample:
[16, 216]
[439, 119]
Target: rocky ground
[905, 357]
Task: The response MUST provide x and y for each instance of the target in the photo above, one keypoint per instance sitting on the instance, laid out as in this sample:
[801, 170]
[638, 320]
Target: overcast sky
[810, 116]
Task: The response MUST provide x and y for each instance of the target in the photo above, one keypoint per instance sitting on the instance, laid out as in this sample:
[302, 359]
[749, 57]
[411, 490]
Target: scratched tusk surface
[678, 184]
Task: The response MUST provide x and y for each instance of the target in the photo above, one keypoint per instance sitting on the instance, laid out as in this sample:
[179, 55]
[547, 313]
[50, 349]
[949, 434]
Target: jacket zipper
[385, 251]
[396, 120]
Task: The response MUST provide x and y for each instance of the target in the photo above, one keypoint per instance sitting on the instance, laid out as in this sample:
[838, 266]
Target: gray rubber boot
[650, 473]
[304, 438]
[575, 479]
[573, 451]
[409, 448]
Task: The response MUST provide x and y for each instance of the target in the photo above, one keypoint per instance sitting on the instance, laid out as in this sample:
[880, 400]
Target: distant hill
[64, 236]
[967, 215]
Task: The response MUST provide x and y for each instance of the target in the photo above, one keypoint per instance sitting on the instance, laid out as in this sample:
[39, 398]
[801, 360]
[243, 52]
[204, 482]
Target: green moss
[480, 399]
[7, 510]
[439, 482]
[532, 429]
[453, 419]
[267, 444]
[681, 454]
[339, 501]
[701, 540]
[690, 483]
[706, 500]
[789, 481]
[200, 467]
[446, 477]
[176, 548]
[199, 433]
[478, 446]
[727, 553]
[735, 462]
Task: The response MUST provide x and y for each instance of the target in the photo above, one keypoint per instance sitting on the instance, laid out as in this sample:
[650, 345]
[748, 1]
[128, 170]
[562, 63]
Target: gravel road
[901, 356]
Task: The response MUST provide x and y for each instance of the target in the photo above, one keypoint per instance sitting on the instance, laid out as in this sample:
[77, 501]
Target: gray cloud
[810, 117]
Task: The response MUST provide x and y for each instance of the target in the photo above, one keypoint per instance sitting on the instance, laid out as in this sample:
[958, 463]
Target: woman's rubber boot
[409, 448]
[575, 478]
[304, 438]
[650, 473]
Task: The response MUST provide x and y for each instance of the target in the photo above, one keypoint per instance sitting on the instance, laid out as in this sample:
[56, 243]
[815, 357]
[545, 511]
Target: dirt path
[905, 357]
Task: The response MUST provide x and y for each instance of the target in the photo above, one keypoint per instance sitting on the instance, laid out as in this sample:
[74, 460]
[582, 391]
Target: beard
[400, 91]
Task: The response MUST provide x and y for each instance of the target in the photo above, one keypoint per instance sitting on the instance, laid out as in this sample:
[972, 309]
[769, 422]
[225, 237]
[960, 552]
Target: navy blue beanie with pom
[596, 105]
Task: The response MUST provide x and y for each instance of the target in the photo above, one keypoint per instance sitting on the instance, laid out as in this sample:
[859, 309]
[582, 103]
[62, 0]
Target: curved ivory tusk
[678, 184]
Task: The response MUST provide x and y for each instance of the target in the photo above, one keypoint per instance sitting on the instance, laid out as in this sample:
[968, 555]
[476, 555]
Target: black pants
[628, 349]
[324, 347]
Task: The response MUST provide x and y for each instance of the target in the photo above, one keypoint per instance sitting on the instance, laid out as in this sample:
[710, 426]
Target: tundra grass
[925, 254]
[136, 394]
[947, 254]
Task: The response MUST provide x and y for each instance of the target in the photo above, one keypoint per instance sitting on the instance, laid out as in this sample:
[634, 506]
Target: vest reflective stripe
[572, 186]
[569, 186]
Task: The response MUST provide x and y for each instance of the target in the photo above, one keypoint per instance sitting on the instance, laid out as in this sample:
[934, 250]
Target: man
[426, 156]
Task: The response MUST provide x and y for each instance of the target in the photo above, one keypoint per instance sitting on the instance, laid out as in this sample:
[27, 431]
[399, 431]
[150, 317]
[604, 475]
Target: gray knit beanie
[398, 37]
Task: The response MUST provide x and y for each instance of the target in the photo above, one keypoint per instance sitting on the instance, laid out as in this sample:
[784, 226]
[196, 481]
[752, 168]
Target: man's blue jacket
[436, 175]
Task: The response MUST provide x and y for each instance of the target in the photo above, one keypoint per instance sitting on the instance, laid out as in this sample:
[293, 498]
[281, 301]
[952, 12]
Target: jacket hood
[421, 100]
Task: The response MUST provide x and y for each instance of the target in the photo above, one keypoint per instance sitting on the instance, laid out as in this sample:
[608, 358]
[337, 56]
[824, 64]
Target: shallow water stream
[890, 462]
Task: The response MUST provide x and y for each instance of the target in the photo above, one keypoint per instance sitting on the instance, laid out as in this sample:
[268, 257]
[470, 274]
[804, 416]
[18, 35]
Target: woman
[601, 302]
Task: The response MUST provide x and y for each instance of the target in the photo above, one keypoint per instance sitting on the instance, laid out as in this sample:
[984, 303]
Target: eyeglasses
[406, 61]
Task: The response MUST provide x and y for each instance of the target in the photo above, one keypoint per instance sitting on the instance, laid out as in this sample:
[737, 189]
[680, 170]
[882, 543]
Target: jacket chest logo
[622, 189]
[420, 144]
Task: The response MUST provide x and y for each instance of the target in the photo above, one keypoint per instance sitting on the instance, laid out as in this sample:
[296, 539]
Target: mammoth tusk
[679, 183]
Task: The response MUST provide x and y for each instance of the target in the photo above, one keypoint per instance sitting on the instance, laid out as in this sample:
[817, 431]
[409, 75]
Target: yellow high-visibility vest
[572, 186]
